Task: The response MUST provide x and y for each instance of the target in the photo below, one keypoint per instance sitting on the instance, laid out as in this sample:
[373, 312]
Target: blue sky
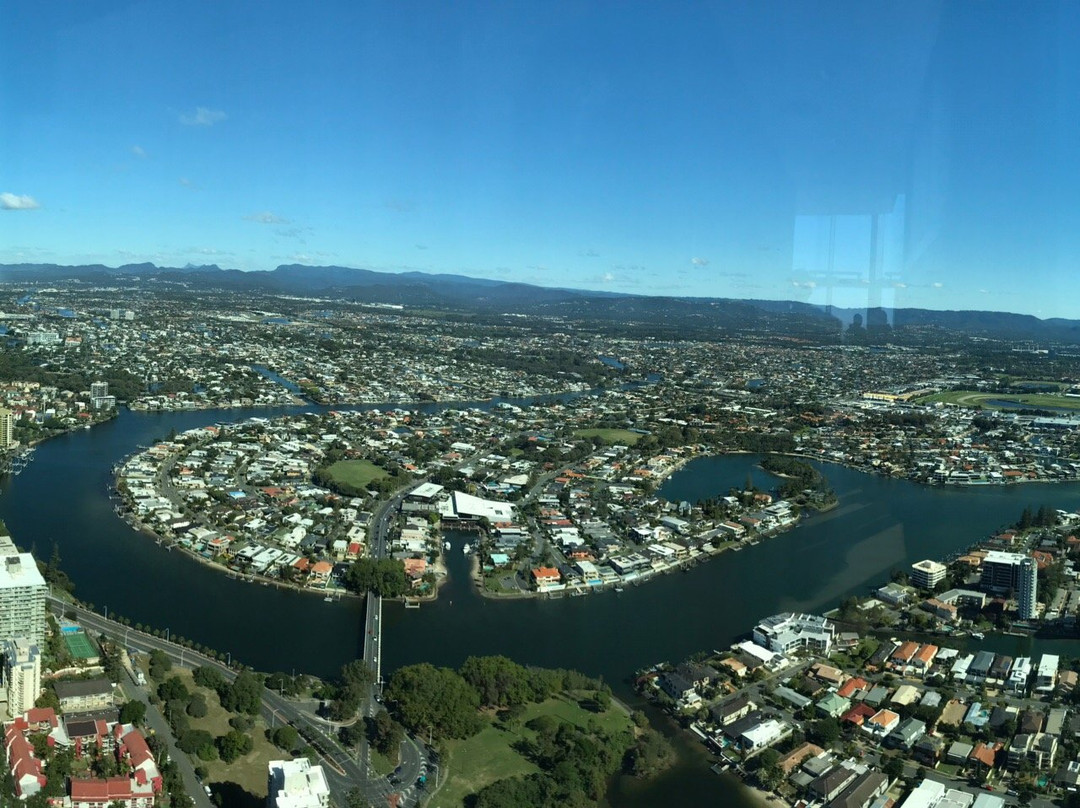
[908, 154]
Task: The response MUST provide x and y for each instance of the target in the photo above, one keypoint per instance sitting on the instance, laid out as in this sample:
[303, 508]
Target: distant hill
[672, 315]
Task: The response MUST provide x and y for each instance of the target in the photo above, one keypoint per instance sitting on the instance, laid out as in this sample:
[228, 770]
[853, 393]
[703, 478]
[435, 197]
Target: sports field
[355, 472]
[611, 436]
[79, 645]
[980, 399]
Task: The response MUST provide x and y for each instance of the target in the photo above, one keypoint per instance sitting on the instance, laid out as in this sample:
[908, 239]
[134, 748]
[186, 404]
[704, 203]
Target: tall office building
[22, 597]
[1028, 589]
[7, 428]
[22, 675]
[99, 389]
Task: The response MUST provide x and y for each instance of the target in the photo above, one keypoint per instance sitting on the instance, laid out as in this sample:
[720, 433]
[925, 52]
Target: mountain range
[479, 295]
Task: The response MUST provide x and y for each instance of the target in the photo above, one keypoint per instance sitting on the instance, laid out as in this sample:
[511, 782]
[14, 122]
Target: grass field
[975, 398]
[355, 472]
[247, 772]
[611, 436]
[489, 755]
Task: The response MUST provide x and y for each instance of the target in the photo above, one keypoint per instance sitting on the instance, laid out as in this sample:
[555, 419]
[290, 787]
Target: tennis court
[79, 645]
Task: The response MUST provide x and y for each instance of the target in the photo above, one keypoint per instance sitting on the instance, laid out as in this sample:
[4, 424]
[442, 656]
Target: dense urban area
[385, 433]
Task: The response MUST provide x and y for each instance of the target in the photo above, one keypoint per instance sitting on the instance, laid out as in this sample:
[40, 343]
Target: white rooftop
[19, 571]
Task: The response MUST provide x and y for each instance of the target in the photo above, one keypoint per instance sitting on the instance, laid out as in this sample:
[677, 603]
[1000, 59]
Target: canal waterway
[879, 524]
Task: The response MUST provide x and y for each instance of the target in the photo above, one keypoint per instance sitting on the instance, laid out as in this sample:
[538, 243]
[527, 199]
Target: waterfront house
[731, 710]
[863, 792]
[829, 785]
[679, 689]
[763, 735]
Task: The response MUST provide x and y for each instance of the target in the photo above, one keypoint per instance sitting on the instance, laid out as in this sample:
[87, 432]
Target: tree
[173, 689]
[160, 664]
[498, 681]
[285, 737]
[233, 744]
[193, 740]
[132, 712]
[893, 767]
[825, 732]
[244, 695]
[207, 676]
[196, 706]
[424, 696]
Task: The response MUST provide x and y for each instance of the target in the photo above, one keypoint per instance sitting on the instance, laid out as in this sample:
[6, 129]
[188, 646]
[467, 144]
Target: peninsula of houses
[546, 509]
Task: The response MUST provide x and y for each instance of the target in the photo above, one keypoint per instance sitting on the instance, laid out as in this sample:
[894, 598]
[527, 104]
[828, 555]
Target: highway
[344, 770]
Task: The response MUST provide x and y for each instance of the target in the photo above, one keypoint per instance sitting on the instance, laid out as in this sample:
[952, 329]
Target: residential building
[26, 768]
[1046, 673]
[296, 784]
[7, 428]
[1019, 674]
[928, 574]
[1028, 589]
[83, 695]
[22, 597]
[1001, 571]
[788, 632]
[22, 675]
[862, 791]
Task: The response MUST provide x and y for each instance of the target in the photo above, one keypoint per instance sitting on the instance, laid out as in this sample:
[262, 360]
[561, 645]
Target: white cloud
[804, 284]
[984, 291]
[699, 262]
[139, 152]
[608, 277]
[938, 285]
[202, 116]
[899, 285]
[18, 202]
[266, 217]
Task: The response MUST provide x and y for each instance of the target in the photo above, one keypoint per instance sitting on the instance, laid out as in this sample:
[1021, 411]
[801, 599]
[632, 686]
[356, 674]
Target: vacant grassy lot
[355, 472]
[489, 755]
[975, 398]
[247, 772]
[611, 436]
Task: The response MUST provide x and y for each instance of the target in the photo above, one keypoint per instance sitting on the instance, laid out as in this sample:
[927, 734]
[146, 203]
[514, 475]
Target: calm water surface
[880, 524]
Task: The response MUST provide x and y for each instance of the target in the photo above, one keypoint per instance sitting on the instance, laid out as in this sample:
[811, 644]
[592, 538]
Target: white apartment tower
[22, 675]
[22, 596]
[927, 574]
[1028, 589]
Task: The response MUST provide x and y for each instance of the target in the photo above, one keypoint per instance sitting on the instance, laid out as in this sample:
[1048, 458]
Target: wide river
[880, 524]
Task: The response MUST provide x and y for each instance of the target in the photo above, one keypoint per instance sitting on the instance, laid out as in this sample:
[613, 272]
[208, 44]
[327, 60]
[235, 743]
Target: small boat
[618, 590]
[446, 545]
[466, 549]
[978, 635]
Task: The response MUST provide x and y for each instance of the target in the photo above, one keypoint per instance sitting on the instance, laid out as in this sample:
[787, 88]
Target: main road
[344, 771]
[412, 755]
